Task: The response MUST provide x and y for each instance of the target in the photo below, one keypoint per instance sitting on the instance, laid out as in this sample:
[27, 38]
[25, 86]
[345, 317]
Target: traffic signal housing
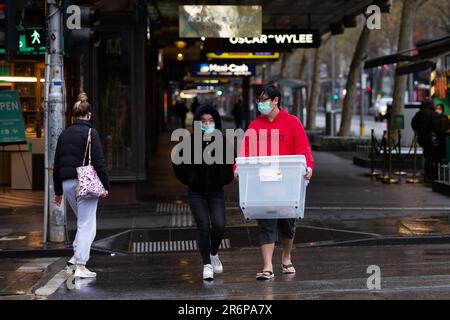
[80, 25]
[9, 36]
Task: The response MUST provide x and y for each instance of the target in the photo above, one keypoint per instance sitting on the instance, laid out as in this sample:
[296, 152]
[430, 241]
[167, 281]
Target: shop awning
[417, 55]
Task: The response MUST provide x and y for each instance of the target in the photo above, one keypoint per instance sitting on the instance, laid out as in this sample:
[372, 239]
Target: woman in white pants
[70, 152]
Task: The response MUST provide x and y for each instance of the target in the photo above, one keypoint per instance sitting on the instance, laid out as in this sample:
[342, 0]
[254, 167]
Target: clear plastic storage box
[272, 187]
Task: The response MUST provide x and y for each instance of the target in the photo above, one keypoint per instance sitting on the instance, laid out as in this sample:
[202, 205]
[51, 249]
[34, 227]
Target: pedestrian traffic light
[80, 25]
[33, 17]
[9, 37]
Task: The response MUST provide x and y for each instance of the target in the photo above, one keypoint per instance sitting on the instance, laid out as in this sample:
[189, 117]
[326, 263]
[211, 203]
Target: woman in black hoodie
[205, 181]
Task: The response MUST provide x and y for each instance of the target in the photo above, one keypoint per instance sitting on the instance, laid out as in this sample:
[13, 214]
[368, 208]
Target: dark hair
[427, 103]
[81, 109]
[271, 91]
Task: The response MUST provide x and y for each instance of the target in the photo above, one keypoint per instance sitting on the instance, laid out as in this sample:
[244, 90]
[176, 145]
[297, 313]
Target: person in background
[194, 106]
[180, 112]
[424, 123]
[70, 152]
[238, 114]
[443, 131]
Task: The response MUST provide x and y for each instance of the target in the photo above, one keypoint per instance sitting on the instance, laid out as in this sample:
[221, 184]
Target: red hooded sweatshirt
[262, 136]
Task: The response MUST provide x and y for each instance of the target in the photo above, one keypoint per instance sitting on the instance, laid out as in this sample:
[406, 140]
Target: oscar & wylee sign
[279, 40]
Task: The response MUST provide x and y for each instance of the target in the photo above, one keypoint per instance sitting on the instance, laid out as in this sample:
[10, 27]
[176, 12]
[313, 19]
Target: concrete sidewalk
[407, 272]
[339, 197]
[342, 206]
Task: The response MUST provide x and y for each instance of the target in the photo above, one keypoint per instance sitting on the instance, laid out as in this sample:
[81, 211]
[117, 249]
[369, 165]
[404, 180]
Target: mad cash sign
[218, 69]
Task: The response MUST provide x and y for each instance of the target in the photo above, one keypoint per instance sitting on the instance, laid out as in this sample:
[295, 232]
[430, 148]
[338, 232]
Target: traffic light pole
[362, 126]
[333, 73]
[55, 216]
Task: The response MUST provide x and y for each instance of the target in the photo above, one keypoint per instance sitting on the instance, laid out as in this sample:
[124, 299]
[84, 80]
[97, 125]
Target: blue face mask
[208, 128]
[264, 107]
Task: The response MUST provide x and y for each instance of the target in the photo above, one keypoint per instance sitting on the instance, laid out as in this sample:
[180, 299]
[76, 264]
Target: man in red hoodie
[276, 125]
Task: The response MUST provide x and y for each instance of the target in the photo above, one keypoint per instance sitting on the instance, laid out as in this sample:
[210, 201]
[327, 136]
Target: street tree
[352, 80]
[409, 7]
[313, 100]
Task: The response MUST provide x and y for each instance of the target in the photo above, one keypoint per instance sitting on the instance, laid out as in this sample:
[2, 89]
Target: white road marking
[37, 265]
[53, 284]
[369, 208]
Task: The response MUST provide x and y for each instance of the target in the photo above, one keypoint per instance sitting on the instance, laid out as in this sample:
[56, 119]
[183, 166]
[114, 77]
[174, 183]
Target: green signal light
[36, 37]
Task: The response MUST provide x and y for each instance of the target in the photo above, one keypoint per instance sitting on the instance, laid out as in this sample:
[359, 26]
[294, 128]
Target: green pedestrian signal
[36, 38]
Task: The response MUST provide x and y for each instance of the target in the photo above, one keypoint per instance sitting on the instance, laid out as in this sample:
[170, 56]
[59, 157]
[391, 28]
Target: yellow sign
[243, 55]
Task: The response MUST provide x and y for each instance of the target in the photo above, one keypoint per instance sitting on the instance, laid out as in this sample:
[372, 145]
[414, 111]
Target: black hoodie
[206, 177]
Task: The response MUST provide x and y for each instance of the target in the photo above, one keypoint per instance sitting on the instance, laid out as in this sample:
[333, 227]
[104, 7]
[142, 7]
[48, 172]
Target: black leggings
[208, 207]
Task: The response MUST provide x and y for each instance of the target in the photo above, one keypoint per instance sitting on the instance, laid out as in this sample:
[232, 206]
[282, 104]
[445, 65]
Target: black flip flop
[265, 275]
[287, 266]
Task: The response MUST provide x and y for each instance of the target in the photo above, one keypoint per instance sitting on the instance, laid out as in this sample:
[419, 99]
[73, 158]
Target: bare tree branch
[421, 3]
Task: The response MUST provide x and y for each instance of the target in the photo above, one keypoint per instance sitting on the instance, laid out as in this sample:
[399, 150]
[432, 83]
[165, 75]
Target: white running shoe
[217, 265]
[84, 273]
[72, 261]
[71, 265]
[208, 272]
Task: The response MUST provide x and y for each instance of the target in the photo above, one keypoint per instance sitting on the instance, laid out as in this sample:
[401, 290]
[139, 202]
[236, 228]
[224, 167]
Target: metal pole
[373, 173]
[383, 175]
[400, 171]
[333, 72]
[55, 119]
[361, 108]
[410, 76]
[414, 179]
[390, 180]
[46, 162]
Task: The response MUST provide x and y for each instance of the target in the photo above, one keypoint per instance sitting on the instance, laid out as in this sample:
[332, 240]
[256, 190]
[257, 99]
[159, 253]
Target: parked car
[380, 109]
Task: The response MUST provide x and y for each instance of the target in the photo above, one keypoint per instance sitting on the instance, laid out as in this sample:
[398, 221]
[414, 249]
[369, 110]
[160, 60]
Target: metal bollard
[389, 179]
[400, 171]
[448, 173]
[439, 172]
[445, 176]
[414, 179]
[383, 169]
[373, 173]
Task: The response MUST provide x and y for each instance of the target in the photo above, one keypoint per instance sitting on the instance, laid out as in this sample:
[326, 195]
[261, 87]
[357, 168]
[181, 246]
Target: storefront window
[114, 103]
[25, 77]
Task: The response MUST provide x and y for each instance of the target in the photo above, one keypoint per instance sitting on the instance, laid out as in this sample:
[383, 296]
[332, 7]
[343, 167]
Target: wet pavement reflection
[322, 273]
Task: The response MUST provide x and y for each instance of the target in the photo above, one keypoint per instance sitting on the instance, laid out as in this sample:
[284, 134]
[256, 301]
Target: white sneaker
[216, 264]
[208, 272]
[71, 265]
[72, 261]
[84, 273]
